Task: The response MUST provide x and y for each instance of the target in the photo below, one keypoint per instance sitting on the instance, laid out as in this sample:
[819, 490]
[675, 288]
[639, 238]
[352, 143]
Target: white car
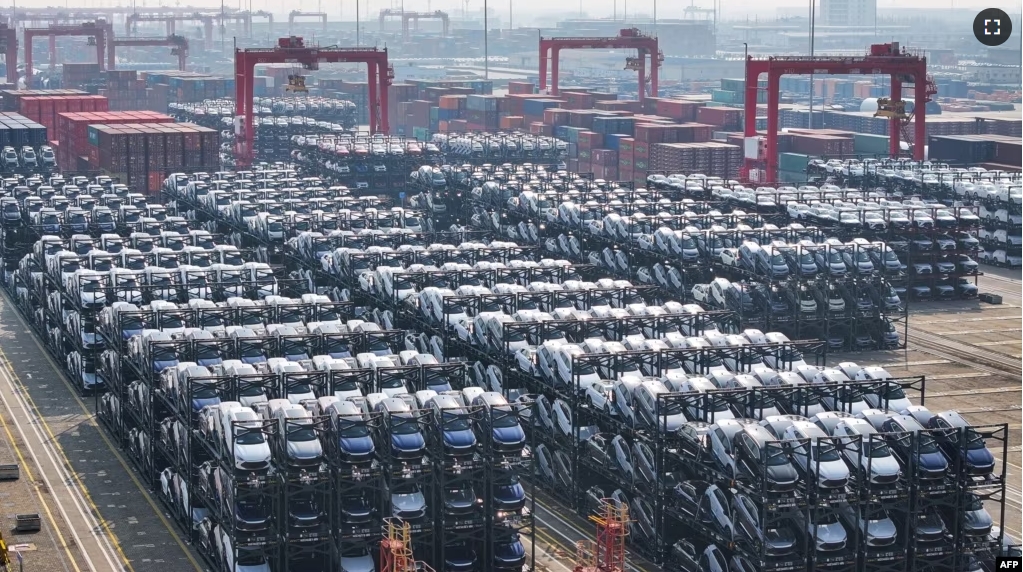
[597, 394]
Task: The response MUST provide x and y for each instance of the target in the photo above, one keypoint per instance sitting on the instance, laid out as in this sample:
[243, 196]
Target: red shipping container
[590, 140]
[555, 116]
[641, 150]
[649, 133]
[538, 128]
[606, 172]
[676, 109]
[605, 157]
[626, 145]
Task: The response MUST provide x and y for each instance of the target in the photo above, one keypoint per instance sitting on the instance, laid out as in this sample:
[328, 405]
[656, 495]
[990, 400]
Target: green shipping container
[421, 133]
[791, 177]
[793, 162]
[725, 96]
[870, 144]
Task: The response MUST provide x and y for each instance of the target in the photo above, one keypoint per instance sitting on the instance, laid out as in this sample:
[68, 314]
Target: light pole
[486, 43]
[813, 14]
[745, 67]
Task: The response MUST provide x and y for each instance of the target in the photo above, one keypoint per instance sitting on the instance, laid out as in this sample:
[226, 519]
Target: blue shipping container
[613, 141]
[535, 107]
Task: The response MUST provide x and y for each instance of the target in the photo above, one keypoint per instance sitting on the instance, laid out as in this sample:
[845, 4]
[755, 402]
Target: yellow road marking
[31, 477]
[113, 449]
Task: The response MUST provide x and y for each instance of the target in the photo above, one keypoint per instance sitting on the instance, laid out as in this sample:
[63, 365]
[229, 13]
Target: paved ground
[91, 501]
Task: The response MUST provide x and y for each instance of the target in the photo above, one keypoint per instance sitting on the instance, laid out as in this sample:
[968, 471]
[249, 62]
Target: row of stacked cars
[583, 350]
[576, 364]
[643, 235]
[996, 198]
[223, 376]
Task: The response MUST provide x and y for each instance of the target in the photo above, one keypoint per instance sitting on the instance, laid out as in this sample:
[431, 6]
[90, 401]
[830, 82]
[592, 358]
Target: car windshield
[878, 448]
[248, 437]
[504, 417]
[404, 424]
[455, 422]
[131, 322]
[301, 433]
[163, 354]
[251, 350]
[203, 390]
[974, 441]
[776, 456]
[354, 430]
[210, 320]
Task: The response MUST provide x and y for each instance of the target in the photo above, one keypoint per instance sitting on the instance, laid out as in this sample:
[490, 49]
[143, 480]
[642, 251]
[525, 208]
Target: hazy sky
[524, 9]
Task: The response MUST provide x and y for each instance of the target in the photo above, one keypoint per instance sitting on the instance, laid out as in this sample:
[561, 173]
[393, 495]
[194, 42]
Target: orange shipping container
[511, 122]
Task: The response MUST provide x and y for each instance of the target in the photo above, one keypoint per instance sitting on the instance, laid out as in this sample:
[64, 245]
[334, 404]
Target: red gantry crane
[9, 47]
[294, 50]
[300, 14]
[206, 19]
[96, 31]
[904, 68]
[628, 38]
[178, 44]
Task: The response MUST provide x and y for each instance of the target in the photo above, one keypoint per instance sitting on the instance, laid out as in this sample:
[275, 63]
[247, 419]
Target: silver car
[816, 454]
[872, 456]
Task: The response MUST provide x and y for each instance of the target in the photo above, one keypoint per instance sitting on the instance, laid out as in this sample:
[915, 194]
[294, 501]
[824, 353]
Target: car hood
[829, 533]
[782, 474]
[881, 529]
[933, 462]
[833, 470]
[410, 442]
[976, 520]
[257, 453]
[883, 466]
[357, 564]
[509, 435]
[89, 379]
[252, 514]
[979, 458]
[461, 498]
[409, 502]
[304, 450]
[781, 539]
[509, 493]
[461, 439]
[198, 404]
[357, 445]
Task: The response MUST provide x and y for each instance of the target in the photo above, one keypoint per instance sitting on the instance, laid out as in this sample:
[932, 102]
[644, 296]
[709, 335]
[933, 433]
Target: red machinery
[178, 44]
[9, 47]
[98, 31]
[299, 14]
[206, 19]
[883, 59]
[294, 50]
[629, 38]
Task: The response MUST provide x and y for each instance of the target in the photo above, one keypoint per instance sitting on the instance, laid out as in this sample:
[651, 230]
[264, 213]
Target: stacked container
[72, 130]
[142, 155]
[45, 109]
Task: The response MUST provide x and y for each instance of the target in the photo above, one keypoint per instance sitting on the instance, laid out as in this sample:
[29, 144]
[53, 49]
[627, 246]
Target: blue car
[974, 456]
[509, 554]
[506, 432]
[903, 431]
